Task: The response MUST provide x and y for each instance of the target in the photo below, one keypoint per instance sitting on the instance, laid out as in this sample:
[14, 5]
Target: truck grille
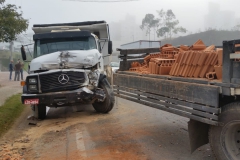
[72, 80]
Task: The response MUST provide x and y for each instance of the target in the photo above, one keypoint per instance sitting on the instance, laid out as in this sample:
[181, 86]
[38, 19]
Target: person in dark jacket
[10, 69]
[17, 70]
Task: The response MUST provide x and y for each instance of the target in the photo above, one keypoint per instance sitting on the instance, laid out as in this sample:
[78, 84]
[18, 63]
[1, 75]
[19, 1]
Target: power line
[103, 1]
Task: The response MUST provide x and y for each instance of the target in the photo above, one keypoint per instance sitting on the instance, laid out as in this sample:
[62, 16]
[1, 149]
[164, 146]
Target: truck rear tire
[107, 105]
[40, 111]
[225, 140]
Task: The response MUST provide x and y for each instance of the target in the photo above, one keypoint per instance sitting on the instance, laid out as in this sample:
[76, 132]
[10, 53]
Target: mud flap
[102, 76]
[198, 134]
[103, 79]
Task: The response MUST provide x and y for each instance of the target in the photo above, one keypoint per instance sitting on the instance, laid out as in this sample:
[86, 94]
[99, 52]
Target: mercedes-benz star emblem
[63, 79]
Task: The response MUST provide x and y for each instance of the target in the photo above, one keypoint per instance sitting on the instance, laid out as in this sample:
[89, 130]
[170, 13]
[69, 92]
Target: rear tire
[225, 140]
[40, 111]
[107, 105]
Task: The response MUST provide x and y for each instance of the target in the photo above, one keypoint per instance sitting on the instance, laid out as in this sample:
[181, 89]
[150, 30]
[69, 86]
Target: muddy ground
[129, 131]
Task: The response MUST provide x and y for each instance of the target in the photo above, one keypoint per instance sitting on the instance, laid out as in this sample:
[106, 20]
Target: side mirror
[109, 47]
[23, 53]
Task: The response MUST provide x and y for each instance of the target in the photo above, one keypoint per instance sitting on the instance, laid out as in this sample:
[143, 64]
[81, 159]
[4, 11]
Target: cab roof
[55, 35]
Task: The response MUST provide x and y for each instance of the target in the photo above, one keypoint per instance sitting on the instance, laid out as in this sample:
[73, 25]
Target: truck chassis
[210, 105]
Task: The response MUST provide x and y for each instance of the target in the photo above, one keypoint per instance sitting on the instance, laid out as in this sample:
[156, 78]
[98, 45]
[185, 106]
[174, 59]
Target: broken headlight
[93, 77]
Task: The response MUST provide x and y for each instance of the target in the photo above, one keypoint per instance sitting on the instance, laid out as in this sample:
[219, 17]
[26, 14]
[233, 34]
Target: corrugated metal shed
[141, 44]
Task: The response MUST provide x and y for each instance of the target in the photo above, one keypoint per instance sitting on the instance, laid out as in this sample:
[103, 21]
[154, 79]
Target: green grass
[9, 112]
[26, 66]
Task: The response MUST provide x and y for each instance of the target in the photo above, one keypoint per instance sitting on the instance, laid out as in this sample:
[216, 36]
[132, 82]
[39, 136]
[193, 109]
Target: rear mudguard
[198, 134]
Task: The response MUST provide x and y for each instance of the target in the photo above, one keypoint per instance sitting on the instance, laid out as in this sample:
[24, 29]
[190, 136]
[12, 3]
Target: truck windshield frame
[47, 46]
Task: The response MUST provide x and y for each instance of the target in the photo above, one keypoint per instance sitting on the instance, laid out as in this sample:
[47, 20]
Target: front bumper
[64, 98]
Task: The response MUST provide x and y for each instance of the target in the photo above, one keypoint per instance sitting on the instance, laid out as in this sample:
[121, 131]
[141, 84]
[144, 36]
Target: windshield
[47, 46]
[114, 64]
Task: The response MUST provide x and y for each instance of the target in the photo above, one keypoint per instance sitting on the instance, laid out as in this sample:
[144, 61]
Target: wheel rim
[230, 140]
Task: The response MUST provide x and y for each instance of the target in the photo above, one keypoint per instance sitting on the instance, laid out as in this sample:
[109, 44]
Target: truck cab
[68, 67]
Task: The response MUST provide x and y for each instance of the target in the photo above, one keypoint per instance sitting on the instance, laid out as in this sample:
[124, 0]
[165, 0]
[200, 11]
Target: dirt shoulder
[129, 131]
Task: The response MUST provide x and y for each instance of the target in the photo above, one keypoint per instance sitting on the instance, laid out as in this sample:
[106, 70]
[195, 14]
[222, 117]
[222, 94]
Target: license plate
[31, 101]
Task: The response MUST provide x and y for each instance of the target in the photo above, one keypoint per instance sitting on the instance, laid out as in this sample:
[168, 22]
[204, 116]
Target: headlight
[33, 87]
[32, 80]
[93, 77]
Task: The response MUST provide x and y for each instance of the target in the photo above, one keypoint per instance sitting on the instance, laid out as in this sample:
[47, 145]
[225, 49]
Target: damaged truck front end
[62, 88]
[67, 70]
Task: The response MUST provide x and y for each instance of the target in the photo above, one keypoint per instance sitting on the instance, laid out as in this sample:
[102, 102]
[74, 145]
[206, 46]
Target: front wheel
[107, 105]
[225, 140]
[39, 111]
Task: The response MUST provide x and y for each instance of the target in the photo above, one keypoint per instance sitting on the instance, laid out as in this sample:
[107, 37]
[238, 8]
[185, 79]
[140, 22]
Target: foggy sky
[190, 13]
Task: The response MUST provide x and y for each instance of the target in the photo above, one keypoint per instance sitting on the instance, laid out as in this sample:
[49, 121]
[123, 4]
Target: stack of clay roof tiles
[160, 66]
[157, 63]
[196, 61]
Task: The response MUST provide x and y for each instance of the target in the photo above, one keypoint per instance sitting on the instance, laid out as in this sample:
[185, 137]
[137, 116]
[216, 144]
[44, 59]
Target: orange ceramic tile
[196, 58]
[198, 47]
[199, 42]
[135, 64]
[176, 69]
[220, 56]
[190, 70]
[181, 68]
[193, 71]
[173, 69]
[211, 75]
[214, 60]
[209, 58]
[202, 58]
[184, 47]
[210, 69]
[197, 71]
[184, 70]
[218, 70]
[150, 67]
[164, 70]
[187, 70]
[210, 48]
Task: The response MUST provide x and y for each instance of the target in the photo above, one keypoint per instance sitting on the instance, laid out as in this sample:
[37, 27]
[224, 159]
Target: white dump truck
[68, 67]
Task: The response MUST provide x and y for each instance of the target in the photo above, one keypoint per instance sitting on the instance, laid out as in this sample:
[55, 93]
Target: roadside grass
[9, 112]
[25, 67]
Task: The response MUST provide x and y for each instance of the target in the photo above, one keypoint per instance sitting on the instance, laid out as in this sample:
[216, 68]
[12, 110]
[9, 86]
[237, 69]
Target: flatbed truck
[213, 106]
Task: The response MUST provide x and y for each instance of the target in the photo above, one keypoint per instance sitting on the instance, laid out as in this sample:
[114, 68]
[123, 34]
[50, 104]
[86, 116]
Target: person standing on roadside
[17, 70]
[21, 70]
[10, 69]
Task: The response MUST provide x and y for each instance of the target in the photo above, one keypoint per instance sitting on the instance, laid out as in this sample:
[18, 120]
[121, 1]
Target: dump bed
[194, 98]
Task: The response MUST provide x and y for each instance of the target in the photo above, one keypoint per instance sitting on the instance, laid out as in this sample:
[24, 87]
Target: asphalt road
[129, 131]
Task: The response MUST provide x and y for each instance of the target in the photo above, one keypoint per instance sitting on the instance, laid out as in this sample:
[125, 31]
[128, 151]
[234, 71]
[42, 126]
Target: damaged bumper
[57, 99]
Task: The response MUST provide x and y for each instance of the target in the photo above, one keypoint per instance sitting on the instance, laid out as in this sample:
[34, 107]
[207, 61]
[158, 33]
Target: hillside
[208, 37]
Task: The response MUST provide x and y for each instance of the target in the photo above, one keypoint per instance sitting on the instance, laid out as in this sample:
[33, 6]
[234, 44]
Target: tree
[168, 24]
[149, 22]
[11, 22]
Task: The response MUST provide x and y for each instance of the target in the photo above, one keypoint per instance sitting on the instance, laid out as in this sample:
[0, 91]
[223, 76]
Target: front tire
[40, 111]
[225, 140]
[107, 105]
